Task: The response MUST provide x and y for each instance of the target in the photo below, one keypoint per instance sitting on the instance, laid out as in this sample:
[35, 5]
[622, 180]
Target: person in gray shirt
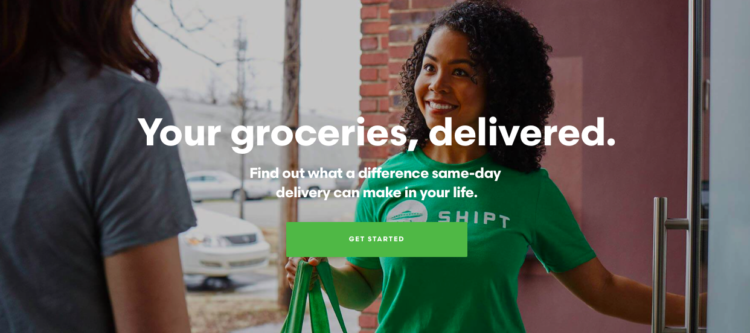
[89, 213]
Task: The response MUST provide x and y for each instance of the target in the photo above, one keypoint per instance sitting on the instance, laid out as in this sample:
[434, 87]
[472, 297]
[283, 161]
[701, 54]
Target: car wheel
[218, 283]
[236, 196]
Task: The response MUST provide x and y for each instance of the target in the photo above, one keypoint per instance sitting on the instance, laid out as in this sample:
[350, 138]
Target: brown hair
[101, 30]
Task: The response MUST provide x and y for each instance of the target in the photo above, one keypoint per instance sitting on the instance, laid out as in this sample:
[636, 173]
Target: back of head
[101, 30]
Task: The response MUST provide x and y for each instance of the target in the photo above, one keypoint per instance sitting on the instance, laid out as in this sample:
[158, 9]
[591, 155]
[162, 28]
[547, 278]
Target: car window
[195, 179]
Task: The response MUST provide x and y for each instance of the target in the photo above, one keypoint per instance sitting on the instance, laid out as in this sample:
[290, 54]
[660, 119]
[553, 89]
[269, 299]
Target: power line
[179, 20]
[192, 50]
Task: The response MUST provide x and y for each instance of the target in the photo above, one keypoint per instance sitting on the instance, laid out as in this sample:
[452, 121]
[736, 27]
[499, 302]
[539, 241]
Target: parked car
[256, 189]
[221, 245]
[204, 185]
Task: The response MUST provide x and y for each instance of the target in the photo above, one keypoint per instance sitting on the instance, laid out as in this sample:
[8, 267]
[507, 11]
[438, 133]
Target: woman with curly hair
[480, 59]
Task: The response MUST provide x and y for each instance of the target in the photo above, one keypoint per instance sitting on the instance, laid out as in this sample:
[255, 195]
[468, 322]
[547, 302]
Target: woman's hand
[620, 297]
[291, 267]
[356, 287]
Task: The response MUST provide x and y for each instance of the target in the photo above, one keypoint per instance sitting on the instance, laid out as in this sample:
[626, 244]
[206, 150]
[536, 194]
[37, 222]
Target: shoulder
[105, 89]
[130, 95]
[535, 177]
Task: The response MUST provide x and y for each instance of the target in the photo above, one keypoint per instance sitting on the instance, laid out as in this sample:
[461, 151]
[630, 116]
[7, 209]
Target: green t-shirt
[477, 293]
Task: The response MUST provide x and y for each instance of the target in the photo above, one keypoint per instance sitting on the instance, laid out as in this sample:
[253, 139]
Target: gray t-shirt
[77, 184]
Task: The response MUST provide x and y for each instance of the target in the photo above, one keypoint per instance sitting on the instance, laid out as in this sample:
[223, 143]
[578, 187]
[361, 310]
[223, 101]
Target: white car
[204, 185]
[221, 245]
[259, 188]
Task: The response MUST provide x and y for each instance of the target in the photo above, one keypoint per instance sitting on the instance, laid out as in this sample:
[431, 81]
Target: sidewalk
[351, 319]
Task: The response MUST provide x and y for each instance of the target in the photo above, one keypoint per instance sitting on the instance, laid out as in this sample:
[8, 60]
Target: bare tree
[241, 100]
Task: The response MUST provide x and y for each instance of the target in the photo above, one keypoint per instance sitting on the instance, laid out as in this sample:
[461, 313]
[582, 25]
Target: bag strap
[324, 271]
[318, 313]
[296, 315]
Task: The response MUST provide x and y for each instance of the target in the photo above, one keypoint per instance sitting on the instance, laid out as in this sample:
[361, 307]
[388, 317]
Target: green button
[387, 239]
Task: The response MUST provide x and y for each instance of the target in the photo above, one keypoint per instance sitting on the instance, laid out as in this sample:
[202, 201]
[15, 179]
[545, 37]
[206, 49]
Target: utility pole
[290, 153]
[241, 44]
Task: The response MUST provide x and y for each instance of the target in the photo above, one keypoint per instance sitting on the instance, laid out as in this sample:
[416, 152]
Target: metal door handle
[661, 225]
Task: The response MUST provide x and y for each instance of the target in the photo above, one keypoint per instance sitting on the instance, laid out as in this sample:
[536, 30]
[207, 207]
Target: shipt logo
[408, 211]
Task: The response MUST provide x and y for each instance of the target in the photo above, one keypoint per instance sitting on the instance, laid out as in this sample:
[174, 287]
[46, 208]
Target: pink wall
[633, 60]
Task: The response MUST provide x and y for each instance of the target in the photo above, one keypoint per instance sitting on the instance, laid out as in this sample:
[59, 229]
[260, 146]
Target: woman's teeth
[441, 106]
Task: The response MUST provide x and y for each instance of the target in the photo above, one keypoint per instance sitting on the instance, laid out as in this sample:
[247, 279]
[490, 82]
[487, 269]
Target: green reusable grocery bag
[318, 313]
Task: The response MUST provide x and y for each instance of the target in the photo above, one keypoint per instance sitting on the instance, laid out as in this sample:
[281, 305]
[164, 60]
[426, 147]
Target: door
[729, 239]
[718, 183]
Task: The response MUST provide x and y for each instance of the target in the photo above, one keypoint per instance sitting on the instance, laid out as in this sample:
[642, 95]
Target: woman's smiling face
[449, 83]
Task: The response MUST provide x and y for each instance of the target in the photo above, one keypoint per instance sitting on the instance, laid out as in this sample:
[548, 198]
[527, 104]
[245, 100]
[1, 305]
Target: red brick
[384, 42]
[395, 67]
[384, 104]
[373, 89]
[369, 151]
[412, 17]
[395, 117]
[416, 32]
[399, 35]
[368, 43]
[431, 3]
[380, 27]
[400, 4]
[368, 2]
[375, 306]
[400, 52]
[405, 34]
[384, 12]
[376, 119]
[368, 74]
[368, 12]
[374, 59]
[368, 105]
[383, 74]
[393, 85]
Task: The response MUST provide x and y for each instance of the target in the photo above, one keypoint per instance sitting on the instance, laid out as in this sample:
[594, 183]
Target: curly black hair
[513, 54]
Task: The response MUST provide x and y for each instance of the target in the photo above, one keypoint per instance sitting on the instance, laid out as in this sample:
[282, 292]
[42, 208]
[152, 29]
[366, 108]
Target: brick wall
[375, 103]
[389, 30]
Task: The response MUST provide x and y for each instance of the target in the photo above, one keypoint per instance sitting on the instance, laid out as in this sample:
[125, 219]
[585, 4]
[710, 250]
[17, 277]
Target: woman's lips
[439, 107]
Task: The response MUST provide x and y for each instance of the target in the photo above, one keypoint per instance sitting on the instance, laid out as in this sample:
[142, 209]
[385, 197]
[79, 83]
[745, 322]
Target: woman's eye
[460, 72]
[428, 68]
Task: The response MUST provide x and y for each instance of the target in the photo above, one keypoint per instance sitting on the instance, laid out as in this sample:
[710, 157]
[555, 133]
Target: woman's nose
[440, 84]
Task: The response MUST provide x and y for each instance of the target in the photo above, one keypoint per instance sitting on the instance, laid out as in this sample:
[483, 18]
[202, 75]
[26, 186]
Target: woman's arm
[620, 297]
[356, 287]
[146, 288]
